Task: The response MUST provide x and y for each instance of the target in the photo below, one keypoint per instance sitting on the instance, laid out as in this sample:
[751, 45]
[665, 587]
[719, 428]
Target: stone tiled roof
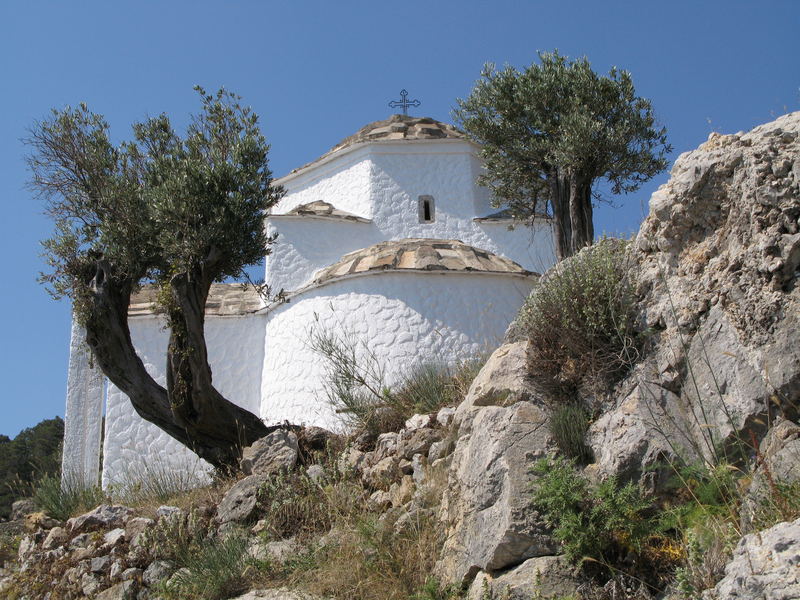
[396, 127]
[416, 254]
[322, 210]
[224, 299]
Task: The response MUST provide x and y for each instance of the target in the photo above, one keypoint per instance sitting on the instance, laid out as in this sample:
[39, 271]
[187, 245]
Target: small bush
[580, 321]
[216, 568]
[356, 384]
[431, 386]
[603, 523]
[64, 499]
[568, 426]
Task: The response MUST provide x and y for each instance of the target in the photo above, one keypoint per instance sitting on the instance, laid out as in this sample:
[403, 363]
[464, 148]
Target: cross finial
[404, 103]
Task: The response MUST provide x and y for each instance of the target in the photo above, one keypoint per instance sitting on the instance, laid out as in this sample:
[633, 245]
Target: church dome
[420, 254]
[395, 128]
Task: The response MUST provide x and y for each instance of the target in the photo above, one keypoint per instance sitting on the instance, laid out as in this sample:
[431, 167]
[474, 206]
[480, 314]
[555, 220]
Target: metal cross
[404, 103]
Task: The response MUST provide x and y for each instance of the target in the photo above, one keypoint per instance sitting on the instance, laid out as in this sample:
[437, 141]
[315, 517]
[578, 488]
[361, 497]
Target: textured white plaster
[403, 318]
[134, 446]
[383, 182]
[80, 461]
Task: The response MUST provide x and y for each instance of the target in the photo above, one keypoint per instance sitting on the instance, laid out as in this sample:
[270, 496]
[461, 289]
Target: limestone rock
[167, 511]
[417, 441]
[239, 503]
[122, 591]
[272, 454]
[779, 453]
[643, 433]
[135, 527]
[765, 565]
[502, 381]
[716, 273]
[540, 577]
[157, 571]
[105, 516]
[22, 508]
[445, 416]
[114, 537]
[418, 422]
[489, 521]
[277, 552]
[57, 536]
[316, 473]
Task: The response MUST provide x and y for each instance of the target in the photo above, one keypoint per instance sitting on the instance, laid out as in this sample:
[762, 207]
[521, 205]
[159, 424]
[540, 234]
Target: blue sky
[318, 71]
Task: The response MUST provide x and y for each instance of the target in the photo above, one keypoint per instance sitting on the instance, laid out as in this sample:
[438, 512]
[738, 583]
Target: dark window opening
[426, 209]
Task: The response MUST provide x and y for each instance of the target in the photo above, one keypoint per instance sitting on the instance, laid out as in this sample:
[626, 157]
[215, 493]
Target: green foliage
[294, 505]
[216, 569]
[568, 426]
[559, 118]
[64, 499]
[580, 321]
[602, 522]
[356, 383]
[34, 453]
[176, 537]
[156, 206]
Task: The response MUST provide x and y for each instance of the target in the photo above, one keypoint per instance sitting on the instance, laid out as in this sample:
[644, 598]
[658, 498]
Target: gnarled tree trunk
[190, 410]
[571, 201]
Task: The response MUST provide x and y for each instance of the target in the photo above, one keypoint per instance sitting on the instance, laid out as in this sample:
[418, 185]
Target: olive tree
[552, 131]
[179, 212]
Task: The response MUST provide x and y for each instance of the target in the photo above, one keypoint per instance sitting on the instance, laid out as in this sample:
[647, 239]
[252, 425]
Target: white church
[386, 238]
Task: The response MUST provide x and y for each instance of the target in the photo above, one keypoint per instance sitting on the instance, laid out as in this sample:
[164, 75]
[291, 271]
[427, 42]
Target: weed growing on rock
[568, 426]
[580, 321]
[356, 384]
[64, 499]
[216, 568]
[611, 525]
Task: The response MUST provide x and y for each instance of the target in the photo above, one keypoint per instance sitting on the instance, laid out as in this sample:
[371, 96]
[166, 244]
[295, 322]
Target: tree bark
[559, 186]
[580, 214]
[218, 426]
[571, 201]
[190, 410]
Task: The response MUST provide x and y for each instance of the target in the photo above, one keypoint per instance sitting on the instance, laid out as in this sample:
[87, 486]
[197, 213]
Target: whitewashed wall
[404, 318]
[132, 445]
[382, 181]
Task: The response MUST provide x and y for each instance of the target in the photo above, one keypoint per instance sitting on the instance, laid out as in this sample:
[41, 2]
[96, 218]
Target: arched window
[427, 213]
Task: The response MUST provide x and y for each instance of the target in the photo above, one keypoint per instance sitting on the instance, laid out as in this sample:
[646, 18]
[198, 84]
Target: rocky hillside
[679, 479]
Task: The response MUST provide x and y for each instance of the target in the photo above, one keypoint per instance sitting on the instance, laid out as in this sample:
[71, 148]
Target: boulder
[122, 591]
[240, 502]
[490, 523]
[158, 570]
[502, 381]
[57, 536]
[105, 516]
[765, 565]
[540, 577]
[135, 527]
[272, 454]
[21, 508]
[716, 267]
[640, 436]
[777, 467]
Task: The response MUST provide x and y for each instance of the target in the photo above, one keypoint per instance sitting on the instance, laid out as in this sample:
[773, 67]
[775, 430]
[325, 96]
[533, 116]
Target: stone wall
[404, 318]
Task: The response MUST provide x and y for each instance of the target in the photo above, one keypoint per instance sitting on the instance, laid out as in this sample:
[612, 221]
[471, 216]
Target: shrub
[356, 383]
[213, 569]
[64, 499]
[568, 426]
[580, 321]
[603, 522]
